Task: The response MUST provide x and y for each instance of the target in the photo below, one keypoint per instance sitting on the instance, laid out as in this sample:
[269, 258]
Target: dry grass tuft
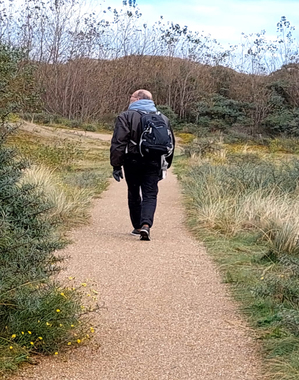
[70, 204]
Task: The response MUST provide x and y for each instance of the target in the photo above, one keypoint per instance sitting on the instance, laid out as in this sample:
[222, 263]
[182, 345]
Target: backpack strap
[132, 141]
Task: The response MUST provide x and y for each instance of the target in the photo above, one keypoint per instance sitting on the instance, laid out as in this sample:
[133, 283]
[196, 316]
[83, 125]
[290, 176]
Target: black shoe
[135, 232]
[145, 233]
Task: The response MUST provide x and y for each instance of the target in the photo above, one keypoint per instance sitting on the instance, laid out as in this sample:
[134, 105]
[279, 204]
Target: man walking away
[142, 145]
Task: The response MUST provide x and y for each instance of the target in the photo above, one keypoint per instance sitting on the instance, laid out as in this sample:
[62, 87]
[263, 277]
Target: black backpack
[156, 137]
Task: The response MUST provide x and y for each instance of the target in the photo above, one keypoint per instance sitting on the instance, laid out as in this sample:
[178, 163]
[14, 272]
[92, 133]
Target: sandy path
[62, 132]
[167, 315]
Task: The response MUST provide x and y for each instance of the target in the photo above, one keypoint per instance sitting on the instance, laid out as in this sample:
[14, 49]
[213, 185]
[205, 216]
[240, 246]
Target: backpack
[156, 137]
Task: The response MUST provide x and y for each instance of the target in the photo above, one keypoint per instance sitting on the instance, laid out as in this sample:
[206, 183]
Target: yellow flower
[71, 278]
[78, 341]
[84, 284]
[23, 333]
[57, 310]
[48, 324]
[31, 343]
[72, 326]
[92, 329]
[87, 336]
[13, 336]
[262, 278]
[10, 347]
[60, 324]
[40, 338]
[56, 353]
[29, 332]
[69, 343]
[63, 295]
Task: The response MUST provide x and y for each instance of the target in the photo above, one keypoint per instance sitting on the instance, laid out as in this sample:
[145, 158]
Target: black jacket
[127, 129]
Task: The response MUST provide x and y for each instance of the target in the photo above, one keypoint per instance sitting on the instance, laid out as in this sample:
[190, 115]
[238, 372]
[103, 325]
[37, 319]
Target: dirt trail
[167, 315]
[63, 133]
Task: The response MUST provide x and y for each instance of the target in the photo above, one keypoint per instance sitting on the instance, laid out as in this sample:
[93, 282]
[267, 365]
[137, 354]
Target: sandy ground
[166, 314]
[63, 133]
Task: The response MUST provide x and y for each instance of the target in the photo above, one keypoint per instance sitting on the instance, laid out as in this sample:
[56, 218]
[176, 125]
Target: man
[142, 173]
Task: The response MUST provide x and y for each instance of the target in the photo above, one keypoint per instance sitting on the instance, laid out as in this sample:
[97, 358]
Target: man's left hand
[117, 173]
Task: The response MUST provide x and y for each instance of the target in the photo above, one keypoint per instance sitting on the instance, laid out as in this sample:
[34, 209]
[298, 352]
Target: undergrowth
[245, 209]
[46, 186]
[53, 120]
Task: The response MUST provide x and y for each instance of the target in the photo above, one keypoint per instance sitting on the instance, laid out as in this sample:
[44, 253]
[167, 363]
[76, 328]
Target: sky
[224, 20]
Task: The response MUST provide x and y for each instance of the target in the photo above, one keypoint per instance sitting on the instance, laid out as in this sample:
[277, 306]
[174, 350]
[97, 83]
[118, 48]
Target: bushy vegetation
[38, 314]
[221, 113]
[244, 205]
[17, 84]
[252, 88]
[69, 73]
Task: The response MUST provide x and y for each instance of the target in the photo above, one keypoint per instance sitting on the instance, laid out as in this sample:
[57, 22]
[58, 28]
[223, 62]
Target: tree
[17, 84]
[288, 52]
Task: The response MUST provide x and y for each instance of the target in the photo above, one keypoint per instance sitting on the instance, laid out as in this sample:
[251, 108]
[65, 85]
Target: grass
[245, 209]
[79, 162]
[70, 204]
[57, 121]
[70, 171]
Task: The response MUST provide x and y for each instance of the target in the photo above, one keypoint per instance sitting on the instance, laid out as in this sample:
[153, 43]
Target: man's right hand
[117, 173]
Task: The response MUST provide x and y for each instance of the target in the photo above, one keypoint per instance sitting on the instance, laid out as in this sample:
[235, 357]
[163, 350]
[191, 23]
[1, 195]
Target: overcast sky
[225, 20]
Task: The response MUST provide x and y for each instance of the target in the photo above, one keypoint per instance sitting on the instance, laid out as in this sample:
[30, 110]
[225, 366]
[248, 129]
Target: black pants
[142, 176]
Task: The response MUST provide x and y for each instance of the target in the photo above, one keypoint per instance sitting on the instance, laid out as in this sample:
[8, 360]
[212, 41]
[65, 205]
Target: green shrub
[283, 122]
[36, 313]
[168, 112]
[17, 88]
[43, 318]
[220, 113]
[29, 239]
[74, 123]
[89, 127]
